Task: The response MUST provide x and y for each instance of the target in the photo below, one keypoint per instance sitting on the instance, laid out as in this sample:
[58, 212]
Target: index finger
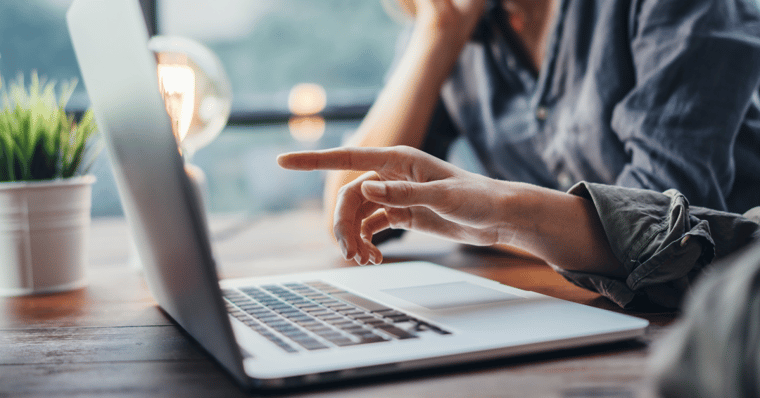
[354, 158]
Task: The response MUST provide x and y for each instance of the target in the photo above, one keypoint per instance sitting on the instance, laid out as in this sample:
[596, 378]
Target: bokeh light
[307, 128]
[307, 99]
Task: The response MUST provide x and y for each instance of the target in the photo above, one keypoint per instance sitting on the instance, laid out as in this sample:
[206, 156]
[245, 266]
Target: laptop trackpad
[450, 295]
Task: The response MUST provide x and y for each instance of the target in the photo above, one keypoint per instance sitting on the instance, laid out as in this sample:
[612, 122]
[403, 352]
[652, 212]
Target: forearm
[402, 111]
[562, 229]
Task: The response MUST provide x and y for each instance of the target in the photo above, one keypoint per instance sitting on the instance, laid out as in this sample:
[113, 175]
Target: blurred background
[337, 51]
[342, 49]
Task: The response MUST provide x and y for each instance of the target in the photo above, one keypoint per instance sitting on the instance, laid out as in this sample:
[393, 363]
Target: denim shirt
[664, 243]
[653, 94]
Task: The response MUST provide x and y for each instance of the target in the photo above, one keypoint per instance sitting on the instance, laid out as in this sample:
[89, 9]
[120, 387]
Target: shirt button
[542, 113]
[564, 180]
[511, 63]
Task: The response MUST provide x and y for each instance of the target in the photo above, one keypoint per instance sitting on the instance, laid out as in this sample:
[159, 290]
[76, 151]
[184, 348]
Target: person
[712, 350]
[636, 247]
[645, 94]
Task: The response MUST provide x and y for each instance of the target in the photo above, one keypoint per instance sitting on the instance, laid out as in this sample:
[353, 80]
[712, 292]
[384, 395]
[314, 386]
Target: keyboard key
[268, 317]
[352, 328]
[343, 342]
[396, 332]
[389, 313]
[362, 333]
[312, 344]
[339, 306]
[353, 313]
[330, 334]
[299, 336]
[287, 348]
[295, 286]
[286, 329]
[277, 323]
[320, 329]
[372, 339]
[321, 313]
[363, 317]
[331, 318]
[341, 322]
[301, 318]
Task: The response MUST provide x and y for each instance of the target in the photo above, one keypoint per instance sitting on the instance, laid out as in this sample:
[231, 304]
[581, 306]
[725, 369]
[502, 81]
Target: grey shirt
[653, 94]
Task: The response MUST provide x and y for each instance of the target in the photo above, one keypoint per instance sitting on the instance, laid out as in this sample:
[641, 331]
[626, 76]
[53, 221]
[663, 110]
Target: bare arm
[402, 111]
[406, 188]
[562, 229]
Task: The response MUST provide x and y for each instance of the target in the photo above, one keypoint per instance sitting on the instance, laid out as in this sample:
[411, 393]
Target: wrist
[530, 223]
[433, 53]
[427, 37]
[438, 31]
[442, 36]
[510, 208]
[450, 20]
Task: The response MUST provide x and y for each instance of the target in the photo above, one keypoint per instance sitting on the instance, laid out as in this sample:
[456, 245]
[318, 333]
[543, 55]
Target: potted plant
[45, 191]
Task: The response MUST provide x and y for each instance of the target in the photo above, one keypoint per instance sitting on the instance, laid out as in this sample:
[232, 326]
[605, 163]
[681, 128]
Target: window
[267, 48]
[33, 36]
[342, 47]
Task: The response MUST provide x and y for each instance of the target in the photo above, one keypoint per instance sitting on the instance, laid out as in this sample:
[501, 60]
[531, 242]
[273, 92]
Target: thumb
[401, 193]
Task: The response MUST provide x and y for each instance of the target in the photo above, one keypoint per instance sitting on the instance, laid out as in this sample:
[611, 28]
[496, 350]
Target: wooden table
[110, 338]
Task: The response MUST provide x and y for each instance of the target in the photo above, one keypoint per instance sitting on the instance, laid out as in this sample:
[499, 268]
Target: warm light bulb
[195, 88]
[177, 83]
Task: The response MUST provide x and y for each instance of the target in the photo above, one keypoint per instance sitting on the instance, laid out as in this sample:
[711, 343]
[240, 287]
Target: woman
[648, 94]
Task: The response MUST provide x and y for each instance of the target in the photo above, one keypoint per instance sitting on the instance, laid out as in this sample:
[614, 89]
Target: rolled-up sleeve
[663, 243]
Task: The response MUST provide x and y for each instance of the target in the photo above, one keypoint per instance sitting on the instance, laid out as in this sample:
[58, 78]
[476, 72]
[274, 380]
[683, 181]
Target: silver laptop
[276, 332]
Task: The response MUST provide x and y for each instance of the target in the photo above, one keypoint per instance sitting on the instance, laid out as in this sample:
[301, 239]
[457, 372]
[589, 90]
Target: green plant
[38, 140]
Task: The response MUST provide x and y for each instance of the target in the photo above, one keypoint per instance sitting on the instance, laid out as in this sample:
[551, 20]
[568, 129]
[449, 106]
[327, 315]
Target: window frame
[246, 114]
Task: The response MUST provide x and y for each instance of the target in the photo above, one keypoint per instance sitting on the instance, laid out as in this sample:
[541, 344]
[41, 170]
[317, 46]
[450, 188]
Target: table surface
[111, 339]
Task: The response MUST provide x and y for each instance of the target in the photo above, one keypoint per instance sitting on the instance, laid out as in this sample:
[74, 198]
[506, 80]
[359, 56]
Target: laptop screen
[167, 224]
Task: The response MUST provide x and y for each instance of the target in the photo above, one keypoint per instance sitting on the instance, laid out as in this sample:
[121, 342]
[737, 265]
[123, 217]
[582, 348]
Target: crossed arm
[405, 188]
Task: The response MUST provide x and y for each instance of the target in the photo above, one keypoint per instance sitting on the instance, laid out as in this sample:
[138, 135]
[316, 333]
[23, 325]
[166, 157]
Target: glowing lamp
[195, 88]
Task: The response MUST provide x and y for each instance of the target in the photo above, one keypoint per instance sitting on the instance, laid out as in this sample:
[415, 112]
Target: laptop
[298, 329]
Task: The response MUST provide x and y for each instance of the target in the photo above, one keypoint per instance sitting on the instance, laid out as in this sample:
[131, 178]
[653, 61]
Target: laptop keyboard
[316, 315]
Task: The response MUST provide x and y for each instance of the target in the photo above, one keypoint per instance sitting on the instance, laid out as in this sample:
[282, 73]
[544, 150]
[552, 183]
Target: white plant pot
[44, 235]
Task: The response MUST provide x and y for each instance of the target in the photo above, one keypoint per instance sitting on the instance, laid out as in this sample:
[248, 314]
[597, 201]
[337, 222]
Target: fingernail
[343, 248]
[374, 188]
[358, 259]
[362, 257]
